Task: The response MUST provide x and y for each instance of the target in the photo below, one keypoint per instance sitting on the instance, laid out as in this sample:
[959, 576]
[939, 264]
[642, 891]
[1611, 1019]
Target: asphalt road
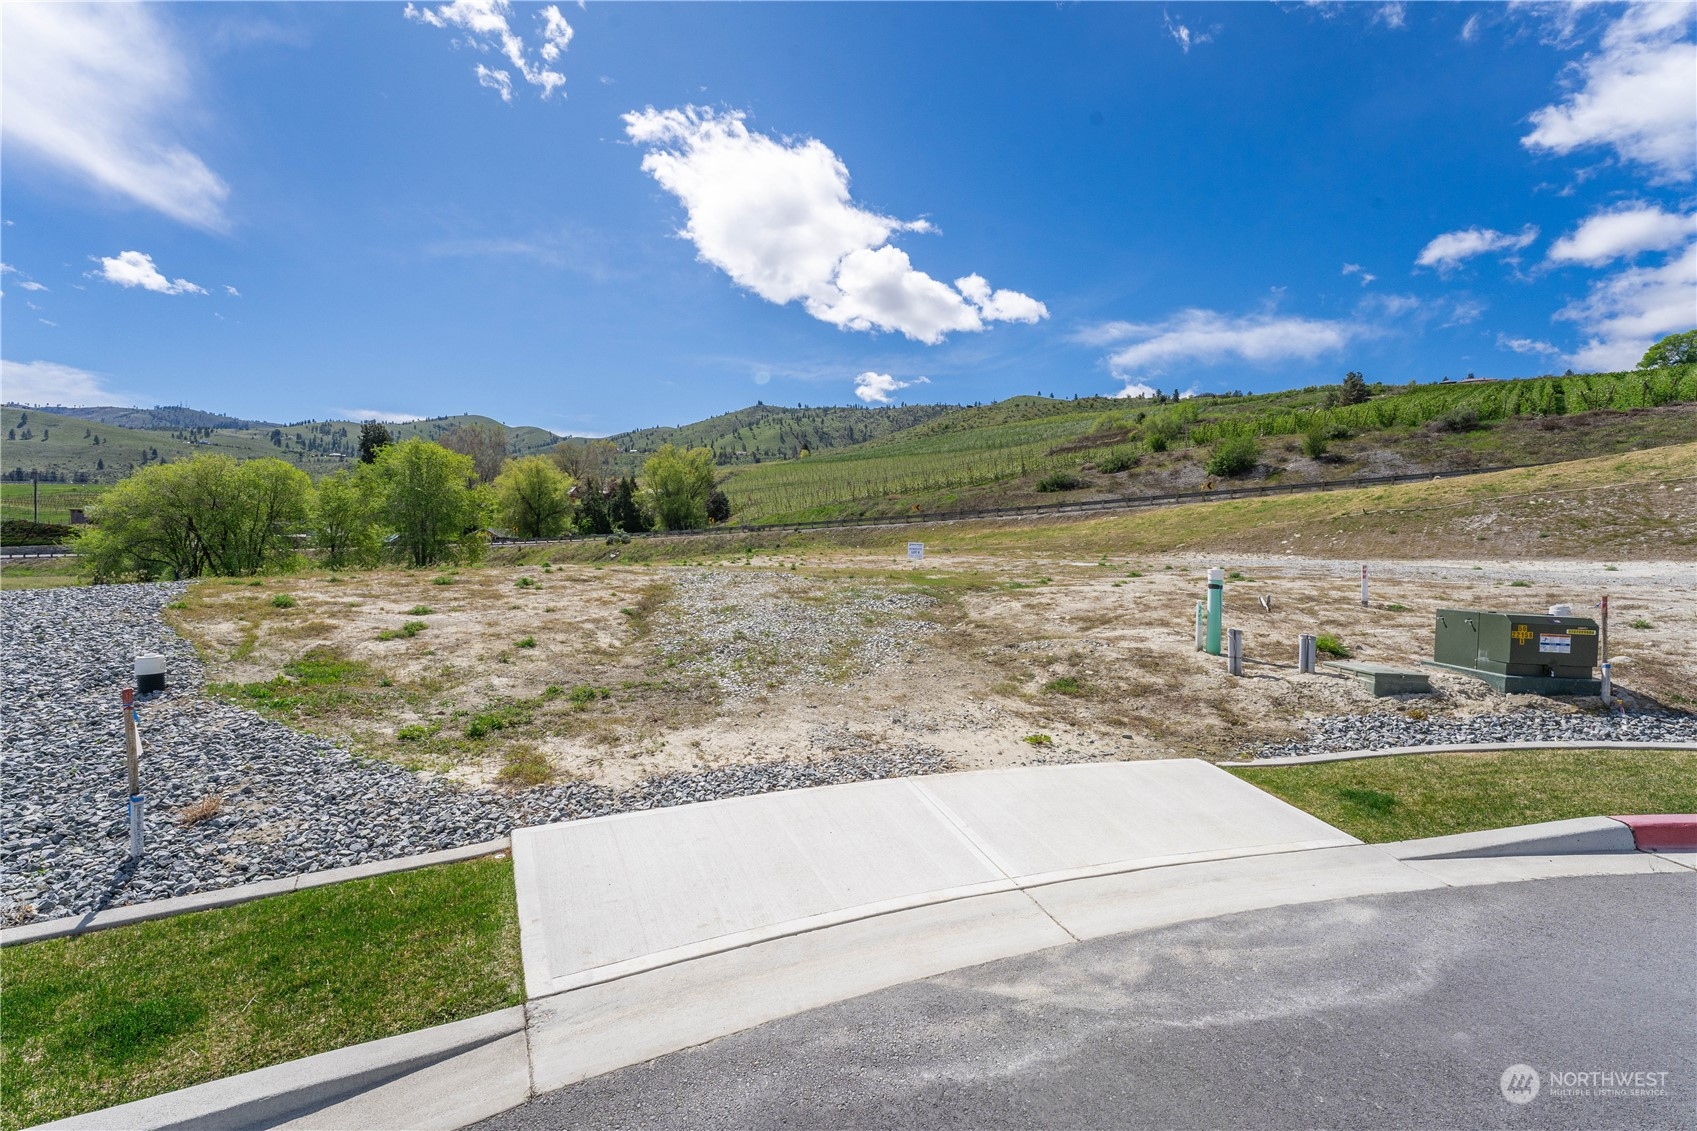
[1382, 1012]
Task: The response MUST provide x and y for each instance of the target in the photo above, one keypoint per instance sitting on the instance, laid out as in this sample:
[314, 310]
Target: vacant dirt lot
[614, 673]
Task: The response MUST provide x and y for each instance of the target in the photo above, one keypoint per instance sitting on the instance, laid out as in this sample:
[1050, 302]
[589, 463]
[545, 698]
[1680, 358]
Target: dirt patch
[611, 675]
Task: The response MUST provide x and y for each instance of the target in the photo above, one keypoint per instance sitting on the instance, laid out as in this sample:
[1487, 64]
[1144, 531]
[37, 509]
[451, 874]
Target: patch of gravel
[1378, 732]
[287, 803]
[745, 632]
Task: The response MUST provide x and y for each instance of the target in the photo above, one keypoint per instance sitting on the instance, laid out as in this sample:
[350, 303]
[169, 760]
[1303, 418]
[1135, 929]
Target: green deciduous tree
[426, 496]
[677, 484]
[345, 520]
[531, 497]
[206, 515]
[1675, 349]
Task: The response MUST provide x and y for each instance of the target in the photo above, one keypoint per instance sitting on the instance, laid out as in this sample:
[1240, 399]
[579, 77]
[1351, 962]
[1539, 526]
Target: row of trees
[415, 502]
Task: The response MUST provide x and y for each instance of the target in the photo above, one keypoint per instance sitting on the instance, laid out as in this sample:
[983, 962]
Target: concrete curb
[453, 1075]
[1456, 748]
[1580, 836]
[292, 1091]
[1663, 832]
[229, 897]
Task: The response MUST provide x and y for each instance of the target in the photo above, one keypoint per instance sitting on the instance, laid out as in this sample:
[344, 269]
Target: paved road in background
[1381, 1012]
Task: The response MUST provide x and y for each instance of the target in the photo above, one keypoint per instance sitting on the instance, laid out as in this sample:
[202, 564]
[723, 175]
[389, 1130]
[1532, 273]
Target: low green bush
[1060, 481]
[1234, 456]
[1332, 647]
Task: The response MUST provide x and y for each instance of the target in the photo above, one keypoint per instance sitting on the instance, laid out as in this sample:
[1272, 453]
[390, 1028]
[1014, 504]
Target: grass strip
[1420, 795]
[134, 1011]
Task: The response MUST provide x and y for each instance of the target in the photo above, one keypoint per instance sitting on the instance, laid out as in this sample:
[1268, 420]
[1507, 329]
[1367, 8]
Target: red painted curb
[1665, 832]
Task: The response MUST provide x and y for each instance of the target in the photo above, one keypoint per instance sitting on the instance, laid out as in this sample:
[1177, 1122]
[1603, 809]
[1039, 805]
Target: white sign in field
[915, 551]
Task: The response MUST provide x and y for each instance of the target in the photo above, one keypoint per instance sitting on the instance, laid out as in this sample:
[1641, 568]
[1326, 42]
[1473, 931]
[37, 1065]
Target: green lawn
[39, 573]
[1421, 795]
[134, 1011]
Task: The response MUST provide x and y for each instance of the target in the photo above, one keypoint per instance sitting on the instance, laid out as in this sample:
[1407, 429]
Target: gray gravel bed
[1378, 732]
[288, 803]
[746, 631]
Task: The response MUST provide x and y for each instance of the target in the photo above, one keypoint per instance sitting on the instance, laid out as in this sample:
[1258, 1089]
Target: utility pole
[35, 495]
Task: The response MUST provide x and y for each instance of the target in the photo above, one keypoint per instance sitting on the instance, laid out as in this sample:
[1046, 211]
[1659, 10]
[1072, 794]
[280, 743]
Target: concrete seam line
[130, 913]
[1453, 748]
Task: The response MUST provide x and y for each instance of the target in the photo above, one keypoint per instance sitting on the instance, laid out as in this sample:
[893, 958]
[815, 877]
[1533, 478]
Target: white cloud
[875, 388]
[47, 383]
[1637, 94]
[1622, 232]
[1355, 269]
[1526, 345]
[1470, 29]
[231, 291]
[486, 26]
[1446, 252]
[31, 285]
[1184, 36]
[1206, 336]
[375, 414]
[776, 216]
[1628, 311]
[1134, 390]
[96, 90]
[1393, 15]
[133, 269]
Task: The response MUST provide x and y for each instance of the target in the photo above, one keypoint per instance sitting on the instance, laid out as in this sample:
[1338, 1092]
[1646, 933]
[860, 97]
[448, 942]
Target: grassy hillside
[165, 418]
[82, 450]
[1631, 506]
[763, 432]
[1001, 454]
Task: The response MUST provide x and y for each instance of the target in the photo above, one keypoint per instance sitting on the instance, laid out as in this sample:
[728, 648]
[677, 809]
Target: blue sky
[618, 215]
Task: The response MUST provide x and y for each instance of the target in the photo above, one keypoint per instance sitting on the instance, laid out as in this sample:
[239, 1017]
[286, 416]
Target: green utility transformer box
[1519, 653]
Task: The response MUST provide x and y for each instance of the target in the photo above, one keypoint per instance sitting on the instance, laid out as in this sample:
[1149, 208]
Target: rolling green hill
[763, 432]
[85, 445]
[1032, 449]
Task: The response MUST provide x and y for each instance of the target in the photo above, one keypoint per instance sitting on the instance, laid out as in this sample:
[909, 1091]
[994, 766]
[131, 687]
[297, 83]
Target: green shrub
[1234, 456]
[1642, 623]
[417, 732]
[1060, 481]
[1315, 444]
[1332, 647]
[527, 583]
[421, 610]
[443, 579]
[1065, 685]
[1463, 418]
[1157, 442]
[410, 629]
[1120, 459]
[282, 601]
[527, 642]
[1038, 739]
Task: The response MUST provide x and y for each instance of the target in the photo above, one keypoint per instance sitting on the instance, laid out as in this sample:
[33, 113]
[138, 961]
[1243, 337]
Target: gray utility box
[1531, 653]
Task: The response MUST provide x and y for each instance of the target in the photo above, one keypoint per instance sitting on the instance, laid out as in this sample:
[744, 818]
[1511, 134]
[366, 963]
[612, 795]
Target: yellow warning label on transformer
[1521, 634]
[1582, 632]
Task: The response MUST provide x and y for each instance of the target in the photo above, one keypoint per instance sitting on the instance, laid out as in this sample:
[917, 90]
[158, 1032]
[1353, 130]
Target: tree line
[415, 502]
